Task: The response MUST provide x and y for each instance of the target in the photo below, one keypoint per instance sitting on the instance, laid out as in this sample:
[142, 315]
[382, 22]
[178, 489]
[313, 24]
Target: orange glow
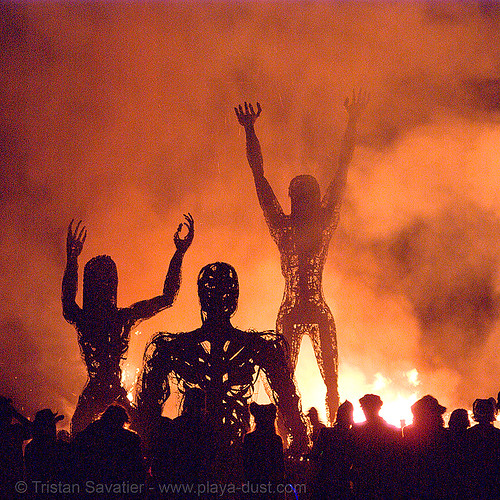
[353, 384]
[132, 119]
[130, 374]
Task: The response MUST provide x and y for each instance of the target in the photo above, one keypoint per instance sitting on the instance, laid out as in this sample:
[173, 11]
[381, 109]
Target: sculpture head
[218, 290]
[304, 193]
[100, 283]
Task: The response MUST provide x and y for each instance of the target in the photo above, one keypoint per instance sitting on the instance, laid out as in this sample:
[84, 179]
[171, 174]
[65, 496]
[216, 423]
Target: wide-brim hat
[47, 416]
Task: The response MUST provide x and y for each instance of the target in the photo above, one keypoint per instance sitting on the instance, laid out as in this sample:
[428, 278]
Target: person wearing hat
[426, 446]
[12, 437]
[105, 452]
[376, 446]
[42, 454]
[483, 445]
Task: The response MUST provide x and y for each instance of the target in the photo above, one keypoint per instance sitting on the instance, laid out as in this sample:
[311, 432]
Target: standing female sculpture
[103, 328]
[303, 238]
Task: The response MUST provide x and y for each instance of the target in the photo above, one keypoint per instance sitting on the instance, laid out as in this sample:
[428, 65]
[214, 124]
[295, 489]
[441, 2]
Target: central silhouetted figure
[263, 459]
[223, 362]
[376, 450]
[106, 453]
[303, 238]
[103, 328]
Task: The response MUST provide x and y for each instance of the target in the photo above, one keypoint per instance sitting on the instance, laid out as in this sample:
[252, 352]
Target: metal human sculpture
[302, 239]
[103, 328]
[222, 361]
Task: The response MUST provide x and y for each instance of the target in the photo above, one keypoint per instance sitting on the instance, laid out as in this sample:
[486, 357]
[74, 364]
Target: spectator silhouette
[12, 437]
[315, 423]
[263, 460]
[376, 445]
[459, 470]
[459, 422]
[332, 456]
[44, 456]
[103, 328]
[483, 440]
[426, 444]
[107, 453]
[179, 446]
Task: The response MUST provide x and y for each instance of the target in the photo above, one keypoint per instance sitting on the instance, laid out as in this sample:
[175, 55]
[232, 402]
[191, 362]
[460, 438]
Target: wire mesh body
[304, 311]
[224, 362]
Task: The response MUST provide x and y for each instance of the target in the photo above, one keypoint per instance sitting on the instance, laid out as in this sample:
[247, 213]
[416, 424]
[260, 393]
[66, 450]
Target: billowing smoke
[121, 115]
[446, 267]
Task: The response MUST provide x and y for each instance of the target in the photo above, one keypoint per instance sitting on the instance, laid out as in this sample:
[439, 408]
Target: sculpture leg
[95, 398]
[285, 326]
[324, 341]
[293, 336]
[90, 406]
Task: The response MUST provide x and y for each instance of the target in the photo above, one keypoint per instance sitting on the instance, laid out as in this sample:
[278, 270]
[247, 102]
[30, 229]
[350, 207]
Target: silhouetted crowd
[424, 460]
[368, 460]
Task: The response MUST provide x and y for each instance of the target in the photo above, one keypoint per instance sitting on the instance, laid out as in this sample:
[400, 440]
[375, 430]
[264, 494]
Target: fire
[397, 395]
[130, 375]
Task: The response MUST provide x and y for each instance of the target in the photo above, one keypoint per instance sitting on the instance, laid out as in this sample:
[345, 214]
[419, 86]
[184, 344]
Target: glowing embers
[130, 375]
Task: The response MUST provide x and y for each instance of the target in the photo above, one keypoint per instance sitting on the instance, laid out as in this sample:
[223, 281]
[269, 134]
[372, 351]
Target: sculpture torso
[103, 339]
[303, 250]
[224, 363]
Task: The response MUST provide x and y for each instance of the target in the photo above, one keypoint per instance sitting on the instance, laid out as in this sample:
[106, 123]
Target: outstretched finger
[80, 234]
[70, 228]
[189, 218]
[251, 109]
[246, 107]
[84, 237]
[75, 233]
[259, 109]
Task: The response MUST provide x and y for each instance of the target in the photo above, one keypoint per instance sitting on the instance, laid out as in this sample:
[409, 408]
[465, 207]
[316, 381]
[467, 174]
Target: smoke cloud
[121, 115]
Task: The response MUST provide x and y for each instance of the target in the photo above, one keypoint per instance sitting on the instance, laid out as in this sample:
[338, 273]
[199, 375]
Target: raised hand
[75, 239]
[246, 117]
[182, 244]
[357, 104]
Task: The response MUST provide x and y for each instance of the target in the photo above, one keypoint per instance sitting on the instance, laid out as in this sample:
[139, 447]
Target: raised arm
[333, 196]
[74, 245]
[145, 309]
[267, 199]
